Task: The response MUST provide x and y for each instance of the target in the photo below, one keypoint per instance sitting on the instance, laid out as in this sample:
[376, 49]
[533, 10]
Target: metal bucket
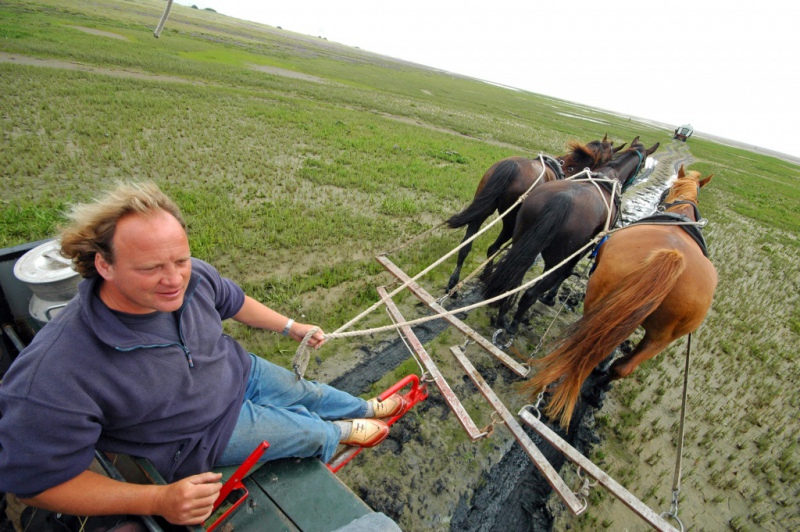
[51, 278]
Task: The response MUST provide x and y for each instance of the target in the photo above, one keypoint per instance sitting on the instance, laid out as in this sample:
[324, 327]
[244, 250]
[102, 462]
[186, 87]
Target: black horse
[556, 220]
[506, 180]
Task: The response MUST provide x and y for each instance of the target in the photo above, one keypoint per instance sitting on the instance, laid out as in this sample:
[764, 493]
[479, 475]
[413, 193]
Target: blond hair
[92, 226]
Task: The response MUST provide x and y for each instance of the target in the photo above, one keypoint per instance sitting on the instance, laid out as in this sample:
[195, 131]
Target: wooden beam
[550, 474]
[616, 489]
[428, 299]
[430, 366]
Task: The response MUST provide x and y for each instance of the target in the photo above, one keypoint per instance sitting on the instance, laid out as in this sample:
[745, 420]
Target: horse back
[623, 253]
[587, 209]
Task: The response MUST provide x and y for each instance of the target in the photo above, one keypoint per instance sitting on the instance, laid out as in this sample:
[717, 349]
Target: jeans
[292, 415]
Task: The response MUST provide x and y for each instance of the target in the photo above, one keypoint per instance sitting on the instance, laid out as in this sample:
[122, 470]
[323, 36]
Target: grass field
[296, 160]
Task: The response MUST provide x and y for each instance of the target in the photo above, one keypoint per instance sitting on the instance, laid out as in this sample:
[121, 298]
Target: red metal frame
[234, 483]
[416, 394]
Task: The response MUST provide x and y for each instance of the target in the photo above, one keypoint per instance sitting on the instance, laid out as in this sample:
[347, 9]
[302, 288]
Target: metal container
[51, 278]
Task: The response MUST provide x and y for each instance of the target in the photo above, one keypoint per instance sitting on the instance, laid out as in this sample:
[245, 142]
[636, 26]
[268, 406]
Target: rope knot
[303, 355]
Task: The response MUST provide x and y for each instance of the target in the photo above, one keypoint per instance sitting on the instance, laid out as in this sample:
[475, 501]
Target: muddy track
[513, 494]
[525, 506]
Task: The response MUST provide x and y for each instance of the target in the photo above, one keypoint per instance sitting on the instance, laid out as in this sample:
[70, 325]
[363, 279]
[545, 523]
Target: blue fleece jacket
[88, 382]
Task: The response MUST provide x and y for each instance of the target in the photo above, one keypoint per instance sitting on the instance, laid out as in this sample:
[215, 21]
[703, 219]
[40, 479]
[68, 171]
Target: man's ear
[103, 267]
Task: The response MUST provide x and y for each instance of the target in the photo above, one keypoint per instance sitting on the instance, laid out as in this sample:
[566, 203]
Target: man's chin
[169, 304]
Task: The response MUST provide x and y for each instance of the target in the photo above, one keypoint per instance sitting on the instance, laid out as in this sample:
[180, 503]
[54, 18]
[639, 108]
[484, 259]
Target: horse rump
[526, 246]
[609, 322]
[485, 201]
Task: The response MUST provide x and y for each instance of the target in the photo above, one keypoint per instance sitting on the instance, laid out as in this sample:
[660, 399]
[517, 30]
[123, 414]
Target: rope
[676, 480]
[457, 287]
[558, 313]
[445, 257]
[303, 354]
[475, 272]
[422, 370]
[300, 360]
[462, 309]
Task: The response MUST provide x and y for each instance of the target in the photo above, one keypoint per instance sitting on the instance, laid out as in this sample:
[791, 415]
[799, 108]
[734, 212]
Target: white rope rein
[302, 355]
[340, 333]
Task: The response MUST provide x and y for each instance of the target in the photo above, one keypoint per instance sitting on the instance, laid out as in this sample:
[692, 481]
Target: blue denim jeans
[294, 416]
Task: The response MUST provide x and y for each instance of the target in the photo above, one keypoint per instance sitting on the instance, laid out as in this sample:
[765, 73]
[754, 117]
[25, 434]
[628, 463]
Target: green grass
[291, 186]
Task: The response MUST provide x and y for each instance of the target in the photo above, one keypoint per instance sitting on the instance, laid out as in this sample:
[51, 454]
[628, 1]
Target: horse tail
[511, 269]
[485, 201]
[590, 339]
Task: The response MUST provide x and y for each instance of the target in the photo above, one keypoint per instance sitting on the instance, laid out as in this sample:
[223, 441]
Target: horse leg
[549, 298]
[595, 388]
[530, 296]
[649, 347]
[503, 308]
[505, 235]
[472, 228]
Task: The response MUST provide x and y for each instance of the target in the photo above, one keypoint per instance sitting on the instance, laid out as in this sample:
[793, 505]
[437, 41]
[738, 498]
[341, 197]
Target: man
[138, 363]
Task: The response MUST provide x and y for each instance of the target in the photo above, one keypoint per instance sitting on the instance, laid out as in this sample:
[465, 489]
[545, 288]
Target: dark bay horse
[556, 220]
[506, 180]
[654, 274]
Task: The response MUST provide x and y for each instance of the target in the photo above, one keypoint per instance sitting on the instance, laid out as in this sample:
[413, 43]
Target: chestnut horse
[506, 180]
[652, 273]
[556, 220]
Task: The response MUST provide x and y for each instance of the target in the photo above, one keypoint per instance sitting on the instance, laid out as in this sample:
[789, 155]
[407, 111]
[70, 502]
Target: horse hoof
[550, 302]
[448, 295]
[498, 321]
[595, 398]
[496, 339]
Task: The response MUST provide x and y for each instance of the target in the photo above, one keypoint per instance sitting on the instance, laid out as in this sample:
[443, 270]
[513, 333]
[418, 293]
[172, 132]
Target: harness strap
[610, 186]
[664, 206]
[554, 165]
[595, 251]
[691, 227]
[635, 173]
[676, 480]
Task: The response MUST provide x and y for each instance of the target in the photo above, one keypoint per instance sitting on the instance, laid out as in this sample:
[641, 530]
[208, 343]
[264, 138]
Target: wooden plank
[616, 489]
[447, 393]
[428, 299]
[551, 475]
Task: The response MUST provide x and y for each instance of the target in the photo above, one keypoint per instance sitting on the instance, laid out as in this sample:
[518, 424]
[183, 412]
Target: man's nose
[172, 276]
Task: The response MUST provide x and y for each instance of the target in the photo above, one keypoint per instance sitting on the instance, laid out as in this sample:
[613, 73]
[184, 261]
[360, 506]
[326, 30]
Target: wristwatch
[288, 327]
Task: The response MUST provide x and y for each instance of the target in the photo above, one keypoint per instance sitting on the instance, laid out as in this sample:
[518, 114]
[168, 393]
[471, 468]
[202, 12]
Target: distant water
[641, 199]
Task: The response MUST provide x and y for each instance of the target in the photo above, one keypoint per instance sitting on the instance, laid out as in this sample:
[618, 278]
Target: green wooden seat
[295, 494]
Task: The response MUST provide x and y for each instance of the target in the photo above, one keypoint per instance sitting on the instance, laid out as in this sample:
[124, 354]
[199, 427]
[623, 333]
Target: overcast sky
[728, 69]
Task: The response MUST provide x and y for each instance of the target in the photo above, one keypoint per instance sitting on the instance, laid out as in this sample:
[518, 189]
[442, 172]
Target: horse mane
[595, 154]
[684, 188]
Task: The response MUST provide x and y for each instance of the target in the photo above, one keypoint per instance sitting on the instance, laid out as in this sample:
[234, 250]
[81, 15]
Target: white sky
[730, 69]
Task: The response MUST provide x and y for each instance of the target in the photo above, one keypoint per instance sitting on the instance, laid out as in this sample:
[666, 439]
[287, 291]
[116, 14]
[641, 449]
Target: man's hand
[256, 314]
[188, 501]
[300, 330]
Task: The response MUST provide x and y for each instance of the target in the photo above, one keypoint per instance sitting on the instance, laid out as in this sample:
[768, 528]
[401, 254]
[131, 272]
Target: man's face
[152, 265]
